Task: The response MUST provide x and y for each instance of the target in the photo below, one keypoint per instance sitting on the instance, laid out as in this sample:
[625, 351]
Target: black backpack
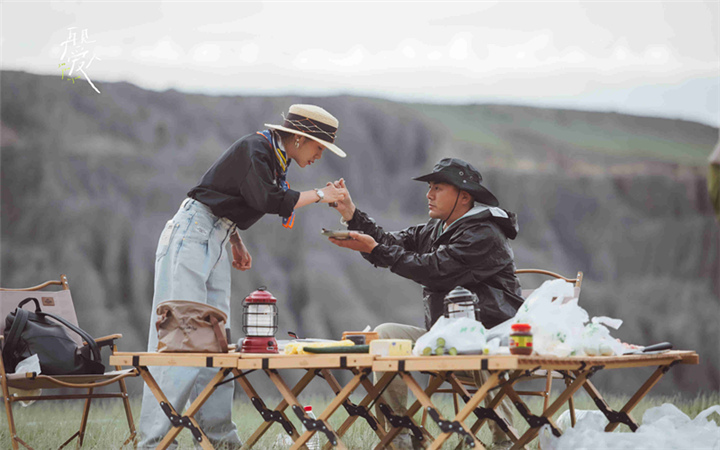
[28, 333]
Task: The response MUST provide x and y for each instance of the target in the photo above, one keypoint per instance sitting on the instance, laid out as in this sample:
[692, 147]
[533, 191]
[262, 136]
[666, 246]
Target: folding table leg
[126, 404]
[374, 392]
[187, 421]
[614, 417]
[571, 403]
[533, 420]
[471, 404]
[277, 415]
[498, 398]
[340, 399]
[354, 411]
[623, 416]
[483, 413]
[434, 384]
[298, 408]
[537, 421]
[456, 426]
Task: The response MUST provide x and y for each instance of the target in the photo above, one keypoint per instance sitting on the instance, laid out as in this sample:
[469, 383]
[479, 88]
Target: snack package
[297, 347]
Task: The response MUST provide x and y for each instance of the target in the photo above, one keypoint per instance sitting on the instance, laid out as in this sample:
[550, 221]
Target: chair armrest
[106, 340]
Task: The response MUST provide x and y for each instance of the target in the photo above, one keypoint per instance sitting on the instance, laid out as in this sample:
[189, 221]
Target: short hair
[284, 134]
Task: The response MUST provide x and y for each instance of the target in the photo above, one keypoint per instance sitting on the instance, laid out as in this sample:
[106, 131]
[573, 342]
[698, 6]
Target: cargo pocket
[165, 238]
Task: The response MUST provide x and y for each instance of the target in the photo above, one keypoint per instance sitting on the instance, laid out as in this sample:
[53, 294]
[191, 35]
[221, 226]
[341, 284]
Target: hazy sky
[649, 58]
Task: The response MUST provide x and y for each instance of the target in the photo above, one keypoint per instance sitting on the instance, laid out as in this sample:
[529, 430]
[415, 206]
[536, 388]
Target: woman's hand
[358, 242]
[241, 257]
[346, 207]
[333, 193]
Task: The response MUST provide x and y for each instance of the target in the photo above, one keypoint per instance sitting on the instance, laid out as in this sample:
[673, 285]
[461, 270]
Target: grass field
[46, 425]
[495, 130]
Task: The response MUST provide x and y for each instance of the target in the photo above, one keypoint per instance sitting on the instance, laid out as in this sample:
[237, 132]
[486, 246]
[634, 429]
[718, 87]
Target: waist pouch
[190, 327]
[47, 335]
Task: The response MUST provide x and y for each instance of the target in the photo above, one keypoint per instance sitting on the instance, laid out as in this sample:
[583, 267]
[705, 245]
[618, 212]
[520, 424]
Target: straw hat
[312, 122]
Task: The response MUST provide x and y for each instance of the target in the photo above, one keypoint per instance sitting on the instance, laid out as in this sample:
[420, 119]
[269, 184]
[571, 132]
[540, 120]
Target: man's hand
[333, 193]
[358, 242]
[346, 207]
[241, 257]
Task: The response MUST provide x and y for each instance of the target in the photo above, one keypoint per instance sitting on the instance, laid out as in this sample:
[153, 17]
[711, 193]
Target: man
[463, 244]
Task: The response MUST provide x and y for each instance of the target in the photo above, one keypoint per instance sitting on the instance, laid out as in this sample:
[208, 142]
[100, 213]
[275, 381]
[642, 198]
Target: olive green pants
[396, 393]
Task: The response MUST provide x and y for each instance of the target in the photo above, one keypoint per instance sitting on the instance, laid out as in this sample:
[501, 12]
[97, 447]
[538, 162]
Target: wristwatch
[320, 194]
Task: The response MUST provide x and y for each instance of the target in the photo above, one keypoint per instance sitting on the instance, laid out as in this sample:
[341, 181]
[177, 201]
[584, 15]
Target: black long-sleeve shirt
[242, 184]
[473, 252]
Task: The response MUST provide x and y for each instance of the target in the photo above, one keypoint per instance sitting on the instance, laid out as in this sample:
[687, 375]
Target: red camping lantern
[260, 322]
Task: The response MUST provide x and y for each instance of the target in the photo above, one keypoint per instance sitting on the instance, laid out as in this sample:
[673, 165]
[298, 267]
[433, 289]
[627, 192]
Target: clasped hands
[358, 242]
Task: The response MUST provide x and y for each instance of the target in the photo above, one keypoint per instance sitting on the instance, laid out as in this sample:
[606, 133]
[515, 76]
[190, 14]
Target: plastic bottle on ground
[314, 442]
[282, 441]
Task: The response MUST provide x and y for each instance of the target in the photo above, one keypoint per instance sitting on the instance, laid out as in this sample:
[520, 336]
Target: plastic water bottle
[314, 442]
[283, 441]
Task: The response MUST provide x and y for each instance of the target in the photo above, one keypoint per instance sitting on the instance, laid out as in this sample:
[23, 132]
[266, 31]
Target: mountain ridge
[89, 180]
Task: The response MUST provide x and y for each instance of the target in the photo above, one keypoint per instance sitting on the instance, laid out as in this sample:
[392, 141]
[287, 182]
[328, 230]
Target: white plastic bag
[562, 328]
[29, 364]
[663, 427]
[466, 335]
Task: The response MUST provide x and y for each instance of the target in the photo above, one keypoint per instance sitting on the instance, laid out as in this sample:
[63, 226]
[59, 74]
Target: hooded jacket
[473, 252]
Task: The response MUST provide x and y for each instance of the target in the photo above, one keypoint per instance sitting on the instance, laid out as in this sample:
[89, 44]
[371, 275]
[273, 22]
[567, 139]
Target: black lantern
[460, 302]
[260, 322]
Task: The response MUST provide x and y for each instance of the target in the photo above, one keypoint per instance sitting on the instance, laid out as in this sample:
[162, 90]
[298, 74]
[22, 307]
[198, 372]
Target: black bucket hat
[463, 176]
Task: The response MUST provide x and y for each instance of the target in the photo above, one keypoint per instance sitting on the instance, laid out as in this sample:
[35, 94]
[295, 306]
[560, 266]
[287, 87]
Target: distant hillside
[89, 180]
[602, 139]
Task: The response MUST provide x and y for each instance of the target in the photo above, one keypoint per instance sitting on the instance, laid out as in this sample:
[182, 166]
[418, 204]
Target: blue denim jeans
[191, 263]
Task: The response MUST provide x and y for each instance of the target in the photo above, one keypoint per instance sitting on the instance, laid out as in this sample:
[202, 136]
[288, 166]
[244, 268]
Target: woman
[245, 183]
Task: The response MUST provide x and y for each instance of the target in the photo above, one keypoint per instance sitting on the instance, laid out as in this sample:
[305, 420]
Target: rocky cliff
[89, 180]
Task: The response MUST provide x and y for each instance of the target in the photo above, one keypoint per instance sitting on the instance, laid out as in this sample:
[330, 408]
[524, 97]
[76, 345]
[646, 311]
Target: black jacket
[473, 252]
[242, 184]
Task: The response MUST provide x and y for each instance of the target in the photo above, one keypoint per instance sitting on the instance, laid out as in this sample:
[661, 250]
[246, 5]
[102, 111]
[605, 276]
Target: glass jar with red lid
[521, 339]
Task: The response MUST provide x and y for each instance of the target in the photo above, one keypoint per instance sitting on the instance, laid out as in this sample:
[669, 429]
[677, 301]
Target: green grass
[492, 128]
[46, 425]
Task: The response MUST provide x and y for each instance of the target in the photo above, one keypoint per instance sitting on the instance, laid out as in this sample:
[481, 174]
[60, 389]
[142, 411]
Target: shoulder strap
[83, 334]
[222, 340]
[21, 318]
[29, 299]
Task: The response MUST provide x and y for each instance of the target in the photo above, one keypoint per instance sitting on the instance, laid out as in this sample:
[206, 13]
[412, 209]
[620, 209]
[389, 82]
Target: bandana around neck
[280, 175]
